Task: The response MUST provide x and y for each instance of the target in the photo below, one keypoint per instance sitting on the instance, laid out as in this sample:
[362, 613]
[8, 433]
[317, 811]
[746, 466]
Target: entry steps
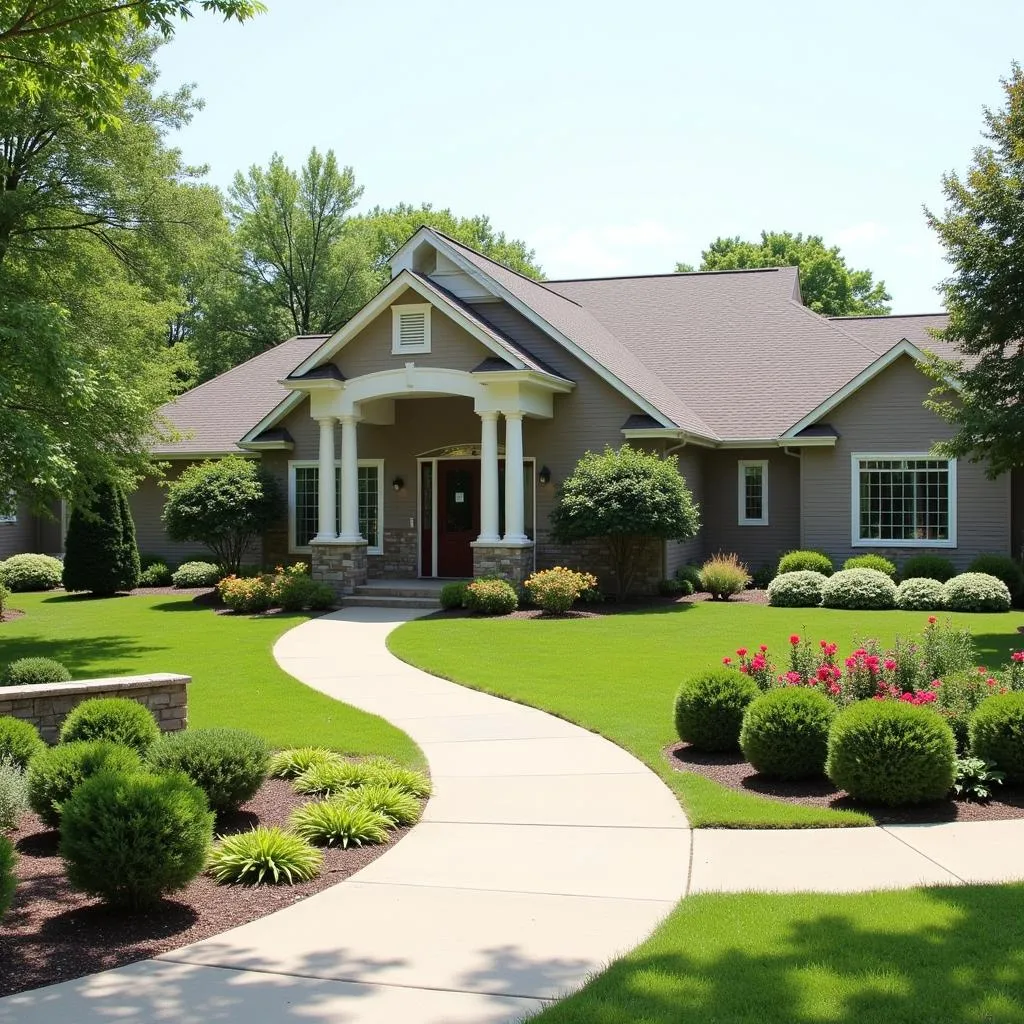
[395, 594]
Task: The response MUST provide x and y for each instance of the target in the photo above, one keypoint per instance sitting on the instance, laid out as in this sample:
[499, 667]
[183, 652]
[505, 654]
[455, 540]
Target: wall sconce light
[398, 483]
[544, 476]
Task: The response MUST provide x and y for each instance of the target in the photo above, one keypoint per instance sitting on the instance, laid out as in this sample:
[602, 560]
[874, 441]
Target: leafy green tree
[982, 229]
[827, 284]
[225, 505]
[100, 552]
[628, 499]
[73, 50]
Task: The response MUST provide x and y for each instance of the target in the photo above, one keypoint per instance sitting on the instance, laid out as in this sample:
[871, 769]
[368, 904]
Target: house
[428, 436]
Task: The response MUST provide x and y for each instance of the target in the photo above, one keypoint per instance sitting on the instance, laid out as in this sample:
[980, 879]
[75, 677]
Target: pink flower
[890, 664]
[763, 648]
[742, 652]
[1018, 656]
[793, 678]
[935, 684]
[794, 639]
[823, 644]
[743, 669]
[727, 661]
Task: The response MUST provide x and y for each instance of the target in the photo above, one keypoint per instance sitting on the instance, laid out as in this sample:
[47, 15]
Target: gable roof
[882, 332]
[215, 415]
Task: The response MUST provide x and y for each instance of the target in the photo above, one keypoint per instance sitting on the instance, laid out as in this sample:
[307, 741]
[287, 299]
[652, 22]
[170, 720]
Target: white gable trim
[381, 301]
[883, 362]
[274, 416]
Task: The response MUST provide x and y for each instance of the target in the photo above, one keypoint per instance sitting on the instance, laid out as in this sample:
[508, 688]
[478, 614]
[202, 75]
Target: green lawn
[618, 675]
[236, 681]
[917, 957]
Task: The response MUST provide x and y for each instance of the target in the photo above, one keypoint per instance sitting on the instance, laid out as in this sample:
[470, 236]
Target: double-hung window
[304, 503]
[903, 500]
[752, 488]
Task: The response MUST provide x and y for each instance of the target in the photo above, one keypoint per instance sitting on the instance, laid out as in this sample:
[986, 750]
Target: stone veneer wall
[590, 556]
[401, 553]
[514, 563]
[46, 705]
[343, 566]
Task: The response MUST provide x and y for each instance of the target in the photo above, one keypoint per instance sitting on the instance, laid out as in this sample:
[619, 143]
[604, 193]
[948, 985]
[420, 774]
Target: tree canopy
[827, 284]
[982, 230]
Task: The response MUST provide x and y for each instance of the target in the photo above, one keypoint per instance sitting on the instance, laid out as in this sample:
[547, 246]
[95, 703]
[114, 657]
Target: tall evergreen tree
[100, 552]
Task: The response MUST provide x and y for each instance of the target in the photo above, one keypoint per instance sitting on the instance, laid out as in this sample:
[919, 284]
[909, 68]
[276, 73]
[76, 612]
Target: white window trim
[397, 349]
[855, 540]
[741, 503]
[293, 464]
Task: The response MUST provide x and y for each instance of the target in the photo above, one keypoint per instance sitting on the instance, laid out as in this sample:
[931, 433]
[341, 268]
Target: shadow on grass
[994, 649]
[85, 657]
[915, 957]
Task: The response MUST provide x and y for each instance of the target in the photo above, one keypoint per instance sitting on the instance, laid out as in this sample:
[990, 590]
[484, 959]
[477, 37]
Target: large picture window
[904, 501]
[304, 503]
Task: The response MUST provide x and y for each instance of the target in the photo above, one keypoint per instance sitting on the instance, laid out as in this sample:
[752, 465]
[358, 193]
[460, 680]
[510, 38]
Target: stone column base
[513, 561]
[343, 566]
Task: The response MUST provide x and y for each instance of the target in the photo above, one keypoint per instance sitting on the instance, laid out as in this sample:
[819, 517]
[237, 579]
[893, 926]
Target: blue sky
[619, 138]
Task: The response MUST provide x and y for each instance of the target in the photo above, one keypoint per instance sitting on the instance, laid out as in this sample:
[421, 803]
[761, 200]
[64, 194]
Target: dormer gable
[421, 256]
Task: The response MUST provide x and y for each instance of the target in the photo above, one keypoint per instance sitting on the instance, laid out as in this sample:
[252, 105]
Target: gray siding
[887, 415]
[20, 536]
[680, 553]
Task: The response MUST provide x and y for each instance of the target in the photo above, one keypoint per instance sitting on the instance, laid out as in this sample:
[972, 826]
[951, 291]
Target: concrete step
[398, 590]
[377, 600]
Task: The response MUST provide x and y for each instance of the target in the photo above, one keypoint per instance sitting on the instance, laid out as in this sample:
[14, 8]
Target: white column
[327, 529]
[349, 481]
[489, 477]
[514, 478]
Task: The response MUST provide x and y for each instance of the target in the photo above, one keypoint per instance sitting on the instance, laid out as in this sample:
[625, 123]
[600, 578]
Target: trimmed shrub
[453, 596]
[264, 855]
[129, 839]
[958, 697]
[724, 575]
[156, 575]
[891, 752]
[55, 773]
[100, 553]
[859, 588]
[799, 589]
[8, 880]
[930, 567]
[295, 591]
[396, 804]
[192, 575]
[1004, 568]
[670, 587]
[115, 719]
[228, 765]
[331, 777]
[290, 764]
[31, 572]
[339, 822]
[19, 741]
[710, 706]
[976, 592]
[686, 588]
[491, 597]
[876, 562]
[920, 594]
[997, 733]
[31, 671]
[806, 561]
[556, 590]
[785, 732]
[689, 574]
[13, 793]
[247, 595]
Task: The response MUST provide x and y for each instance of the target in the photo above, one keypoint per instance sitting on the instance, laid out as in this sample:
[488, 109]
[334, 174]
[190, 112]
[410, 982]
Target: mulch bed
[11, 614]
[53, 933]
[732, 771]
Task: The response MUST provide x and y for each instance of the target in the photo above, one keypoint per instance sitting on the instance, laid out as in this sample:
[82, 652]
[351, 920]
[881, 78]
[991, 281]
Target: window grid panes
[307, 504]
[369, 504]
[753, 492]
[904, 499]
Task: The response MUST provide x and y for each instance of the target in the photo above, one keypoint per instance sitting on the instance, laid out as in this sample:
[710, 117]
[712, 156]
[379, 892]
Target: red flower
[794, 639]
[727, 661]
[742, 652]
[932, 620]
[763, 648]
[890, 664]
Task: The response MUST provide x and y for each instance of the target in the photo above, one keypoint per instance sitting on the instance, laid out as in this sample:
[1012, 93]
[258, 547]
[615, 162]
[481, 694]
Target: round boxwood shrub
[30, 671]
[920, 594]
[800, 589]
[806, 561]
[931, 567]
[859, 588]
[229, 765]
[31, 572]
[8, 860]
[190, 575]
[996, 732]
[976, 592]
[491, 597]
[785, 732]
[158, 574]
[1005, 568]
[876, 562]
[130, 839]
[55, 773]
[19, 741]
[453, 596]
[891, 752]
[709, 708]
[116, 719]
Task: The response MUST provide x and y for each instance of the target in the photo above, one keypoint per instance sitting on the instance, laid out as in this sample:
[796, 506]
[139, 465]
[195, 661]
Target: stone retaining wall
[46, 705]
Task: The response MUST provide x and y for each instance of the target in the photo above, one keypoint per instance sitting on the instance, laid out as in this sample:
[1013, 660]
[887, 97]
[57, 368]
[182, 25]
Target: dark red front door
[458, 516]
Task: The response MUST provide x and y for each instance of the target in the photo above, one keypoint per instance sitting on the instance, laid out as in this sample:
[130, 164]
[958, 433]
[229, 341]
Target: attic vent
[410, 329]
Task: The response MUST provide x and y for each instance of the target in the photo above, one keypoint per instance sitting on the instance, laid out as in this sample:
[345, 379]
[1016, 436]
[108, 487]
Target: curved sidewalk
[544, 852]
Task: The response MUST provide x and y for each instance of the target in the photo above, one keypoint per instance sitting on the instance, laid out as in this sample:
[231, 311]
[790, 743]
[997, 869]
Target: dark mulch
[11, 614]
[52, 933]
[194, 592]
[732, 771]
